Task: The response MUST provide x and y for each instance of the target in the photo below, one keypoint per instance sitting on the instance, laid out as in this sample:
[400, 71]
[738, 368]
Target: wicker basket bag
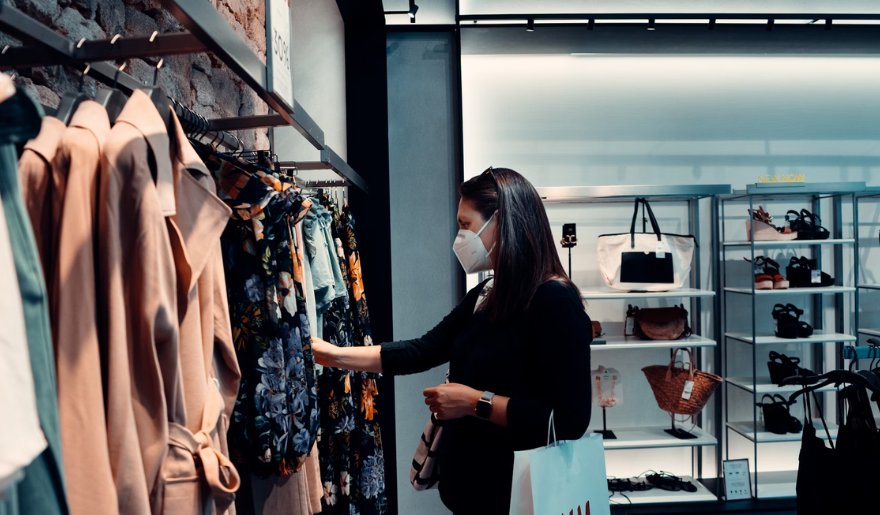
[668, 383]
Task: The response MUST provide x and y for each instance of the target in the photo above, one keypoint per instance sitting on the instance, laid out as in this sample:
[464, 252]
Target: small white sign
[737, 480]
[279, 69]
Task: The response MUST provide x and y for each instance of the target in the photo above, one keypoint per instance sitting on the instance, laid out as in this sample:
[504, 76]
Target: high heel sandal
[801, 272]
[788, 322]
[782, 366]
[760, 228]
[770, 279]
[807, 225]
[777, 415]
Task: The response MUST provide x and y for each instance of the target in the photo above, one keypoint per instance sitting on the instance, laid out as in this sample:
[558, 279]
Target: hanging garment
[308, 284]
[137, 293]
[323, 261]
[23, 439]
[41, 491]
[352, 459]
[197, 476]
[831, 478]
[275, 418]
[91, 490]
[38, 182]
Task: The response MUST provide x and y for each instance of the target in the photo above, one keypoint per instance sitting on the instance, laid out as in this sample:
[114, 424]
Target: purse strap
[632, 227]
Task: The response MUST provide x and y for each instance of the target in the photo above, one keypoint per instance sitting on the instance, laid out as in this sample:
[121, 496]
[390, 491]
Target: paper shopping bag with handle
[563, 478]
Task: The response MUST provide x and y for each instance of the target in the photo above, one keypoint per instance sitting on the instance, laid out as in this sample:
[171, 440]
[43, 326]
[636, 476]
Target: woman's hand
[323, 351]
[452, 401]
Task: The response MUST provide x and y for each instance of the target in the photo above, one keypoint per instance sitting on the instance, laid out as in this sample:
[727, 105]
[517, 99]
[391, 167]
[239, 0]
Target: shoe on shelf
[769, 278]
[807, 225]
[666, 481]
[760, 228]
[782, 366]
[789, 323]
[777, 415]
[803, 272]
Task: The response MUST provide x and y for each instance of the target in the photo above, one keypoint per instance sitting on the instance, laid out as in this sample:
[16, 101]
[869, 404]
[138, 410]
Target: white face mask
[470, 251]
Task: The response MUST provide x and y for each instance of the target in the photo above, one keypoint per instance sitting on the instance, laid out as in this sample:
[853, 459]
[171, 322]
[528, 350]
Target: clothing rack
[208, 31]
[52, 49]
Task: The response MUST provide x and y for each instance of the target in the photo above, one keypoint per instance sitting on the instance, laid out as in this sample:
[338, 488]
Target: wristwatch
[484, 406]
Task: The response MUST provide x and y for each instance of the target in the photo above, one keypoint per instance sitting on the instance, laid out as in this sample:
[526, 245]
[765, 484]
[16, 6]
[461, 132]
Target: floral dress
[350, 446]
[276, 418]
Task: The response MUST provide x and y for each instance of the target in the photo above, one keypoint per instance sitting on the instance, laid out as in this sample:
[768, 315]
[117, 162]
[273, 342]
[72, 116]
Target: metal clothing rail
[50, 48]
[205, 22]
[209, 32]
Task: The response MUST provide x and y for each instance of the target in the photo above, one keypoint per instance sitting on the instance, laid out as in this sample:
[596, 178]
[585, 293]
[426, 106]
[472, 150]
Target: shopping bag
[645, 261]
[563, 478]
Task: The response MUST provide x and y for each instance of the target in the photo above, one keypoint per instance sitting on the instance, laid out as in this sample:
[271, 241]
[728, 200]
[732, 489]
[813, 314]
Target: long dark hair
[525, 255]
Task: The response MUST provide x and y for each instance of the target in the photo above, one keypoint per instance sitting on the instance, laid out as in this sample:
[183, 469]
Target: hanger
[71, 101]
[112, 100]
[836, 377]
[157, 95]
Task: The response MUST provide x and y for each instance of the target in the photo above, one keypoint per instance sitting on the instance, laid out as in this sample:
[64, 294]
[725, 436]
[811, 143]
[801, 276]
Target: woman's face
[470, 219]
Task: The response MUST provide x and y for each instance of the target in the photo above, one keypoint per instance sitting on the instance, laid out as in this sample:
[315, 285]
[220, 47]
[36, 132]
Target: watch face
[484, 409]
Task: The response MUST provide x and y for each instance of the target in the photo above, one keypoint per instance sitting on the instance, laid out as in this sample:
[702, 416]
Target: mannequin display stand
[606, 434]
[608, 395]
[681, 434]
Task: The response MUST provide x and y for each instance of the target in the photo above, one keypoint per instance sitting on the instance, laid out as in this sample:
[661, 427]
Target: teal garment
[324, 263]
[41, 491]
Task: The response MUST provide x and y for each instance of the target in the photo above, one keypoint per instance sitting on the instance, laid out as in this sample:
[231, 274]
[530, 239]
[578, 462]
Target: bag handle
[632, 226]
[551, 429]
[672, 362]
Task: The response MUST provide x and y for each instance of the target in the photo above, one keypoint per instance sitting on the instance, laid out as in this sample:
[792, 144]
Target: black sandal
[801, 272]
[807, 225]
[666, 481]
[782, 366]
[788, 322]
[777, 415]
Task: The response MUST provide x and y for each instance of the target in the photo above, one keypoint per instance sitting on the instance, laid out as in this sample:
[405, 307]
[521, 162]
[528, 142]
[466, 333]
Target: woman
[517, 347]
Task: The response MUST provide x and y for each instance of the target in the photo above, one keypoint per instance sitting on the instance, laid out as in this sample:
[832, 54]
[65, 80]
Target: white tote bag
[645, 261]
[566, 478]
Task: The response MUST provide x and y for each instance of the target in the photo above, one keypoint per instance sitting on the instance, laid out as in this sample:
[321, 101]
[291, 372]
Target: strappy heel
[788, 322]
[759, 227]
[770, 278]
[777, 415]
[803, 272]
[782, 366]
[807, 224]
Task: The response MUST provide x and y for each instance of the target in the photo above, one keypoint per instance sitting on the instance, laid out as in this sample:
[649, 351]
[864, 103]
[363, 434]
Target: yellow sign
[774, 179]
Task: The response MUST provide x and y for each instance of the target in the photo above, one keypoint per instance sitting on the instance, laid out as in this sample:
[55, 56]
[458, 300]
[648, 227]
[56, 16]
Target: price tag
[661, 255]
[688, 390]
[816, 276]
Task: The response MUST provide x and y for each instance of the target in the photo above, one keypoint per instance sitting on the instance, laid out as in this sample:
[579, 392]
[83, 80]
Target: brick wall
[199, 81]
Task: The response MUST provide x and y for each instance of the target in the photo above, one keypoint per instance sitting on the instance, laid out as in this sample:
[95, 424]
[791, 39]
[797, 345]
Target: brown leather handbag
[658, 323]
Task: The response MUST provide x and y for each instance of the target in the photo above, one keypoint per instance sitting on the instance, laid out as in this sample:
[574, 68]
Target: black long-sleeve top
[540, 360]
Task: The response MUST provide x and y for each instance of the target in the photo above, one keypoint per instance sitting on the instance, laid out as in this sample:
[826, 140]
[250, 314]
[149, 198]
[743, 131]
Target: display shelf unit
[681, 293]
[821, 290]
[695, 296]
[631, 342]
[658, 496]
[763, 385]
[741, 331]
[872, 195]
[791, 243]
[776, 484]
[816, 337]
[757, 434]
[657, 438]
